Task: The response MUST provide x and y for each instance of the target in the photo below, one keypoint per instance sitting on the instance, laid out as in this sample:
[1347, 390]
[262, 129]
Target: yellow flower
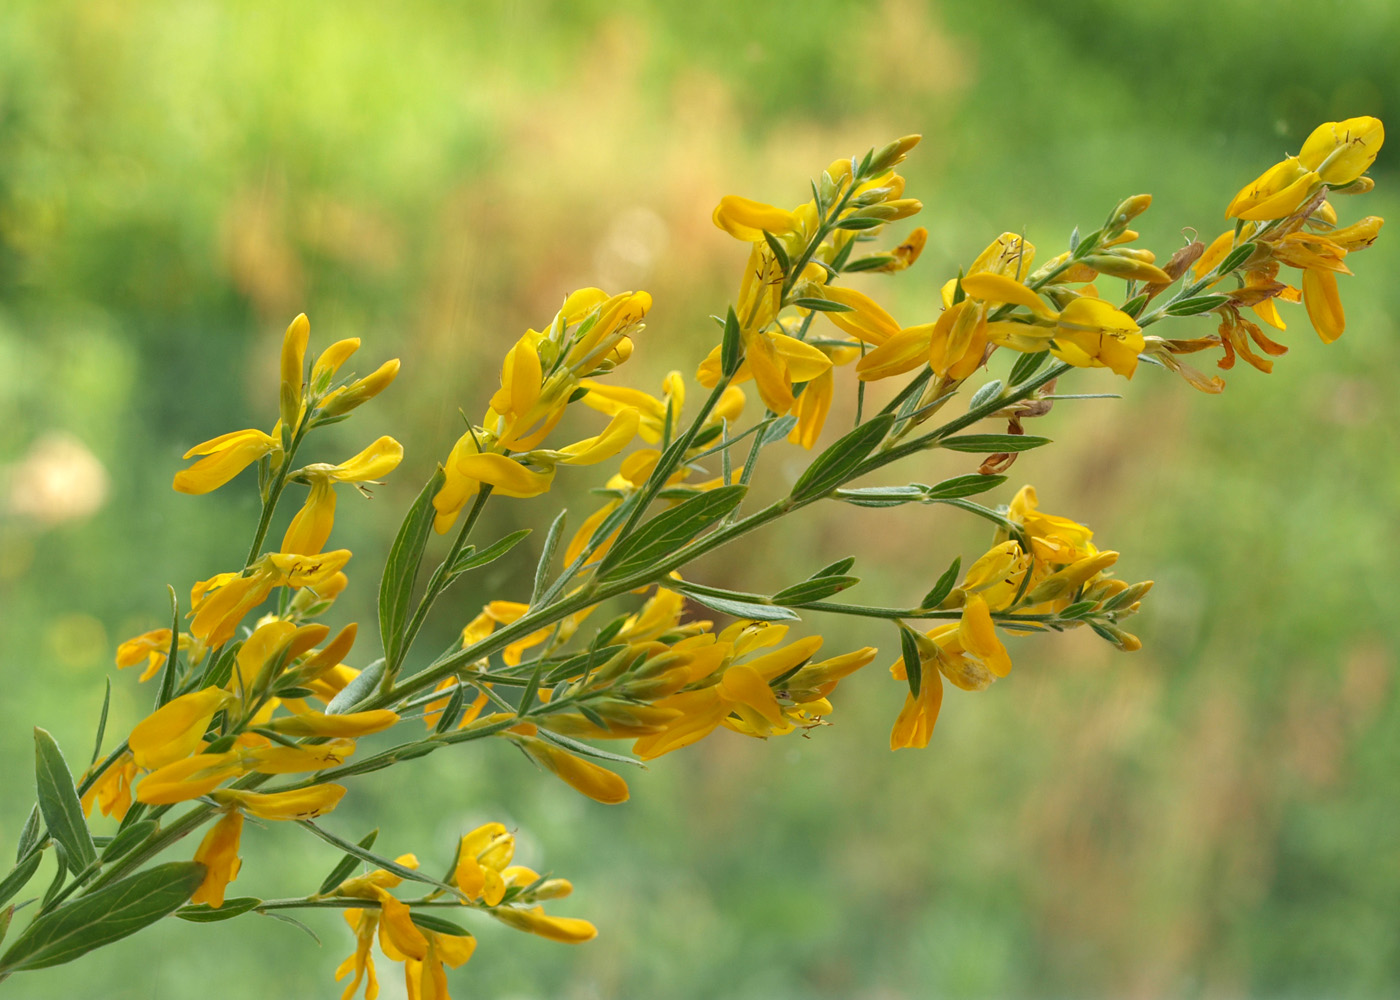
[747, 220]
[175, 729]
[188, 778]
[346, 398]
[293, 369]
[1323, 303]
[112, 791]
[299, 803]
[320, 724]
[482, 856]
[224, 457]
[150, 648]
[221, 602]
[1342, 151]
[364, 923]
[218, 852]
[277, 759]
[311, 526]
[1092, 333]
[598, 783]
[568, 930]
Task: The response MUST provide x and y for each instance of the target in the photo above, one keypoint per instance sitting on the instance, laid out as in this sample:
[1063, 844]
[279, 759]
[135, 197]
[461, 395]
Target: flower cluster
[609, 644]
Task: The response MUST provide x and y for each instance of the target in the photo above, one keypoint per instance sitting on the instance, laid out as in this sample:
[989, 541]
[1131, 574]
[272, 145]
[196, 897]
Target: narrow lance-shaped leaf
[492, 552]
[551, 543]
[527, 697]
[19, 877]
[739, 607]
[127, 838]
[1026, 366]
[882, 496]
[357, 690]
[30, 834]
[839, 568]
[582, 749]
[839, 461]
[814, 590]
[963, 486]
[401, 568]
[979, 444]
[104, 916]
[913, 666]
[668, 531]
[172, 655]
[438, 925]
[203, 913]
[731, 352]
[347, 864]
[943, 587]
[393, 867]
[101, 723]
[58, 800]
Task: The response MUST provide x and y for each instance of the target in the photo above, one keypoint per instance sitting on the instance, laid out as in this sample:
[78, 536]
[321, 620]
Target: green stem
[274, 494]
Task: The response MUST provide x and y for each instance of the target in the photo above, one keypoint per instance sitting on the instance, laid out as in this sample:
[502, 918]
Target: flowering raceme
[618, 637]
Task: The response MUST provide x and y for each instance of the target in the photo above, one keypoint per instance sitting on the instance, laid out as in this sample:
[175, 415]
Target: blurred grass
[1211, 816]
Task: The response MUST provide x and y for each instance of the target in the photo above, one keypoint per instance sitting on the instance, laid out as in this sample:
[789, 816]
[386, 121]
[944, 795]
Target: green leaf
[439, 925]
[452, 711]
[814, 590]
[104, 916]
[840, 460]
[821, 305]
[943, 587]
[172, 661]
[577, 666]
[987, 444]
[839, 568]
[1026, 366]
[740, 608]
[1079, 609]
[985, 394]
[870, 263]
[101, 724]
[551, 543]
[347, 864]
[357, 690]
[963, 486]
[1196, 304]
[1133, 307]
[203, 913]
[401, 568]
[913, 666]
[365, 855]
[294, 922]
[882, 496]
[489, 554]
[858, 222]
[30, 833]
[220, 670]
[58, 800]
[664, 534]
[60, 874]
[532, 688]
[1235, 258]
[582, 749]
[779, 253]
[5, 916]
[127, 838]
[19, 877]
[731, 352]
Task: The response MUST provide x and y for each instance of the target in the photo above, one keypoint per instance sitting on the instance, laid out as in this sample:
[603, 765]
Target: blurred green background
[1213, 816]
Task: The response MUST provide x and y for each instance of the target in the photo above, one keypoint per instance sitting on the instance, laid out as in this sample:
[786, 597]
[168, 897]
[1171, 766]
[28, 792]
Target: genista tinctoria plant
[260, 706]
